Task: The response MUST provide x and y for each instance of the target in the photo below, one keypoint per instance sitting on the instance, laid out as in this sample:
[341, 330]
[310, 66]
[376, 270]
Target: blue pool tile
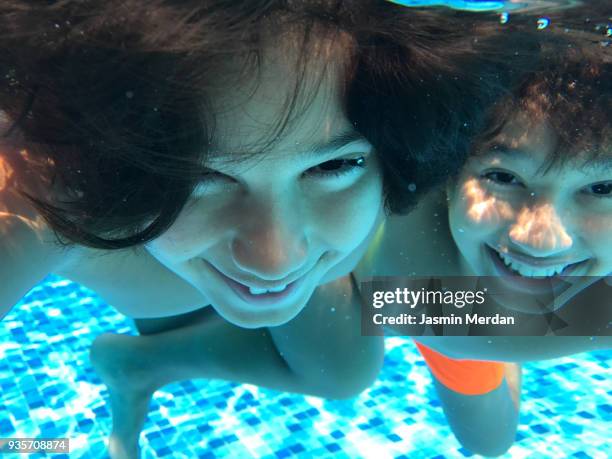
[465, 453]
[283, 453]
[581, 455]
[230, 438]
[294, 427]
[6, 426]
[539, 428]
[253, 421]
[570, 428]
[376, 422]
[216, 443]
[567, 399]
[296, 449]
[164, 451]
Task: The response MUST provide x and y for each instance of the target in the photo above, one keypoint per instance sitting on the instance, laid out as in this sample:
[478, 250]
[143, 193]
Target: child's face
[510, 217]
[288, 220]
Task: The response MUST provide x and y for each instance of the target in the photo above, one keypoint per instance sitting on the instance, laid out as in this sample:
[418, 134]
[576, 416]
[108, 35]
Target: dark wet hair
[109, 99]
[571, 90]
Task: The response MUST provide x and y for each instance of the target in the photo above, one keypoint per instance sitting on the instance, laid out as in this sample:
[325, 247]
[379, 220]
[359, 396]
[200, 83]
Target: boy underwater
[532, 207]
[137, 145]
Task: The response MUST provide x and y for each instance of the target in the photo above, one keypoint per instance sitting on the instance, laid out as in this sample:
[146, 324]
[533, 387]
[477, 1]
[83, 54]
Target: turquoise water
[49, 389]
[488, 5]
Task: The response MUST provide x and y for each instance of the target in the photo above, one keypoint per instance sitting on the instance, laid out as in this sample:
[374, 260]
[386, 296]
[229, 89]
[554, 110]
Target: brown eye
[603, 189]
[502, 178]
[337, 167]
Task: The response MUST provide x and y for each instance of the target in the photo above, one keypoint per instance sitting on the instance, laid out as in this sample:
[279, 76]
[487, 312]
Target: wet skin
[531, 225]
[290, 218]
[539, 219]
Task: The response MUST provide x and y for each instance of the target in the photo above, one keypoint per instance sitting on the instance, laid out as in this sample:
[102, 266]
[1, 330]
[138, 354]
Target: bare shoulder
[28, 249]
[133, 282]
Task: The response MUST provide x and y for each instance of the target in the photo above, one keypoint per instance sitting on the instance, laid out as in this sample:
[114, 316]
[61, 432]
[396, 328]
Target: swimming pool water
[49, 389]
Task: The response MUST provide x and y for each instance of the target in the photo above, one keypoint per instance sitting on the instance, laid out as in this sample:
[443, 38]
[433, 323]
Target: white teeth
[530, 271]
[261, 291]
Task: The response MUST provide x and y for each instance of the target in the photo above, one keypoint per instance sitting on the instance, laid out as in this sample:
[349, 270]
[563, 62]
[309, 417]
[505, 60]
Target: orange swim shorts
[468, 377]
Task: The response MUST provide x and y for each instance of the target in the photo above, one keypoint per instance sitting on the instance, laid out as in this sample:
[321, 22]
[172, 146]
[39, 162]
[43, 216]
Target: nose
[538, 231]
[271, 244]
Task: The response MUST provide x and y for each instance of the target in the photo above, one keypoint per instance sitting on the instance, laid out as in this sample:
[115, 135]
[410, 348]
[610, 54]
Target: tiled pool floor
[48, 389]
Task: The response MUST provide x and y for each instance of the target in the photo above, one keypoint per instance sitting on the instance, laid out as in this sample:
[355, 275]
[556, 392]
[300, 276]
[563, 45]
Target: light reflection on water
[514, 6]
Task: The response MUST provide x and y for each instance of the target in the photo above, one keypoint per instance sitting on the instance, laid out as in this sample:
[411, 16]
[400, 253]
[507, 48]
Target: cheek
[185, 239]
[169, 249]
[474, 214]
[345, 218]
[596, 235]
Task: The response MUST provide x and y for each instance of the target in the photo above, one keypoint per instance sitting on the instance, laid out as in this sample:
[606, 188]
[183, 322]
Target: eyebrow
[335, 143]
[506, 151]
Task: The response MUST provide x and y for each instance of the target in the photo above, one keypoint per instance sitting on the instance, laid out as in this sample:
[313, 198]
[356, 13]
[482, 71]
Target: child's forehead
[319, 147]
[524, 138]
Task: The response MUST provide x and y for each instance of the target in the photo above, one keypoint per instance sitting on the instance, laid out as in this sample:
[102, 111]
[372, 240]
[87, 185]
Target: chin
[259, 319]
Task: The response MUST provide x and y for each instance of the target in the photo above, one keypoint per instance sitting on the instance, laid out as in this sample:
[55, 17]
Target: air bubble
[503, 18]
[543, 23]
[412, 187]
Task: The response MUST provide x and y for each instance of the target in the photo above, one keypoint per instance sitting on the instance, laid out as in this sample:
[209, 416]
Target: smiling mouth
[517, 267]
[270, 296]
[267, 297]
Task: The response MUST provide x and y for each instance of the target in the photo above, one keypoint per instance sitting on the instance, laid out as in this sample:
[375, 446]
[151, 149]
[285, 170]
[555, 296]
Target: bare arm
[320, 352]
[325, 346]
